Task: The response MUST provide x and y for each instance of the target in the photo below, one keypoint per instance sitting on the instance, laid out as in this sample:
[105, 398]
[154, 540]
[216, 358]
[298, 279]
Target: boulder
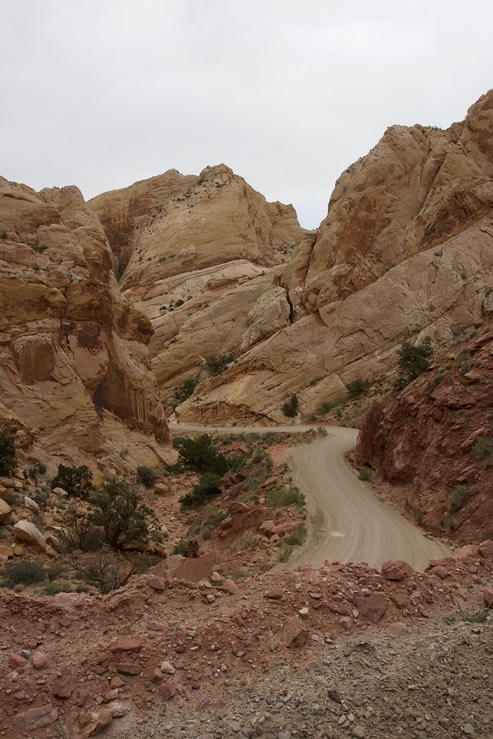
[27, 532]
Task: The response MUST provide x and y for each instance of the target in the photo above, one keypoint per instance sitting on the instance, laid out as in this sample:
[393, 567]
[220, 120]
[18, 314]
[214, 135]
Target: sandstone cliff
[406, 250]
[202, 257]
[75, 380]
[436, 436]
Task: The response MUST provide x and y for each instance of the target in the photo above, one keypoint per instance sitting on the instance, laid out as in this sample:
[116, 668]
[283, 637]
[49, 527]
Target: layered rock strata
[75, 378]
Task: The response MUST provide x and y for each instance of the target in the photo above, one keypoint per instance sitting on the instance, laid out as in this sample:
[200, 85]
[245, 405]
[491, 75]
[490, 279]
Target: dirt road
[346, 521]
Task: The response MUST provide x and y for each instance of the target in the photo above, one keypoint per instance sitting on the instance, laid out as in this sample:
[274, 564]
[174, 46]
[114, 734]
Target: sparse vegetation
[207, 487]
[249, 540]
[413, 360]
[357, 387]
[22, 573]
[184, 391]
[285, 496]
[217, 364]
[458, 498]
[121, 514]
[76, 481]
[7, 455]
[364, 474]
[146, 476]
[483, 448]
[290, 408]
[200, 455]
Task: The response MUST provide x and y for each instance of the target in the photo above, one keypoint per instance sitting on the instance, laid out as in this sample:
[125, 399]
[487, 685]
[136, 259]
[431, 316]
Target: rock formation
[445, 443]
[406, 250]
[202, 257]
[75, 379]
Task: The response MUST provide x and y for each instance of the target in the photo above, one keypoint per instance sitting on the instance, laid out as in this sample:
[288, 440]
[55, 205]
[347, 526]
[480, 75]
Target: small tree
[200, 455]
[185, 390]
[146, 476]
[76, 481]
[290, 408]
[121, 514]
[7, 455]
[206, 488]
[413, 360]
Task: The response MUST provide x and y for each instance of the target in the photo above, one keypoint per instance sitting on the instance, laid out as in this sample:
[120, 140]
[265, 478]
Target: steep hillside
[406, 250]
[433, 443]
[75, 381]
[202, 257]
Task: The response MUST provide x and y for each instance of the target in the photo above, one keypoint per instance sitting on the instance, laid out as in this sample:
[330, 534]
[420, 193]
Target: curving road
[347, 522]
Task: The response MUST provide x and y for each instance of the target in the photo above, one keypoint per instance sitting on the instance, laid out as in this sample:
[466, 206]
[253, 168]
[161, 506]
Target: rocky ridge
[406, 250]
[75, 380]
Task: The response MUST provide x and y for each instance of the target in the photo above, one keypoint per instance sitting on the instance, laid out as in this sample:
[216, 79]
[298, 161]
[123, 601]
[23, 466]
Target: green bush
[296, 537]
[458, 498]
[206, 488]
[76, 481]
[413, 360]
[483, 447]
[364, 474]
[22, 573]
[357, 387]
[281, 497]
[146, 477]
[216, 365]
[7, 455]
[121, 515]
[290, 408]
[185, 390]
[200, 455]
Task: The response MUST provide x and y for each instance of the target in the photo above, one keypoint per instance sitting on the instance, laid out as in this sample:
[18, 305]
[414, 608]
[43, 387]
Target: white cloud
[101, 93]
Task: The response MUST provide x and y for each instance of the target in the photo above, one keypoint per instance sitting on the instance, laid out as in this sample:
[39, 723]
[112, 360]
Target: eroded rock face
[201, 256]
[74, 364]
[406, 251]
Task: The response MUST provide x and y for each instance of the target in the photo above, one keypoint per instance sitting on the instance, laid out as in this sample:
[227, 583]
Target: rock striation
[405, 251]
[75, 377]
[202, 257]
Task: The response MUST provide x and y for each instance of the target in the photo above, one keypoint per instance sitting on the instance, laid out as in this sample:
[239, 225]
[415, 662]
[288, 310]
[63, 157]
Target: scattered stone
[230, 587]
[295, 633]
[358, 732]
[397, 629]
[156, 583]
[16, 662]
[395, 570]
[95, 722]
[126, 645]
[372, 607]
[168, 690]
[167, 668]
[40, 660]
[31, 504]
[65, 684]
[274, 594]
[5, 512]
[36, 717]
[488, 597]
[129, 668]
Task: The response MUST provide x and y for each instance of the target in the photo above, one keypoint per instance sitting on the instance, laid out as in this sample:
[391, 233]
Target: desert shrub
[181, 548]
[249, 540]
[78, 530]
[285, 551]
[206, 488]
[76, 481]
[483, 447]
[357, 387]
[121, 514]
[296, 537]
[217, 364]
[200, 455]
[413, 360]
[146, 476]
[7, 455]
[283, 497]
[364, 474]
[57, 586]
[185, 390]
[22, 573]
[105, 569]
[290, 407]
[458, 498]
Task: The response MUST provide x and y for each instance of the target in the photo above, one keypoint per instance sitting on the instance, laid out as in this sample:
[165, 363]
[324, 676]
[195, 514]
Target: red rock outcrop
[422, 441]
[74, 366]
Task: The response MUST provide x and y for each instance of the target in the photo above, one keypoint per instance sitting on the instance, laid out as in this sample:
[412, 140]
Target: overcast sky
[101, 93]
